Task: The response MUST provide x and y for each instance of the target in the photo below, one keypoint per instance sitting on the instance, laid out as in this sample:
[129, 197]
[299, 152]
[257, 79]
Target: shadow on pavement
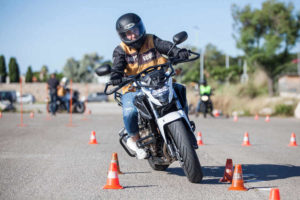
[136, 172]
[175, 171]
[139, 186]
[253, 172]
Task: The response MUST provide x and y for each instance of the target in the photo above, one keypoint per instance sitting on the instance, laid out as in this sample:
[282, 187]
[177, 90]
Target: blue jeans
[66, 100]
[53, 99]
[198, 106]
[130, 113]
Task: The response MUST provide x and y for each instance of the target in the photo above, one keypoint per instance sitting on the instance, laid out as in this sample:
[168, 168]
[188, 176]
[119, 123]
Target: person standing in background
[53, 84]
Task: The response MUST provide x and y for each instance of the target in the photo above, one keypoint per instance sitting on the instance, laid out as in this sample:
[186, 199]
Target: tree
[70, 69]
[29, 75]
[83, 70]
[214, 67]
[43, 73]
[3, 72]
[267, 35]
[14, 72]
[213, 57]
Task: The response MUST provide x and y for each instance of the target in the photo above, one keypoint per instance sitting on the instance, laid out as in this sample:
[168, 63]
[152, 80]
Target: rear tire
[80, 107]
[190, 162]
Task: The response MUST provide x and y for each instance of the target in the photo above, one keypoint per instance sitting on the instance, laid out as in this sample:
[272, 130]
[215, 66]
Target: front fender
[170, 117]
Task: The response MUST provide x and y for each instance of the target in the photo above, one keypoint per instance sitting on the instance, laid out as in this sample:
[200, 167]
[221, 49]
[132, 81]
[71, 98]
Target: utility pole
[298, 63]
[202, 65]
[244, 77]
[227, 61]
[202, 52]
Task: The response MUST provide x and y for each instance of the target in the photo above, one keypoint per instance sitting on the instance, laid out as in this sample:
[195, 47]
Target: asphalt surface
[48, 159]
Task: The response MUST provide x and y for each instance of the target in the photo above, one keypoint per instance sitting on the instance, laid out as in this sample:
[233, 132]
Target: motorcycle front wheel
[189, 159]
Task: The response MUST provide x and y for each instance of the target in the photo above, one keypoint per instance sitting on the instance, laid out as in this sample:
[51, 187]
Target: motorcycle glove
[183, 54]
[116, 79]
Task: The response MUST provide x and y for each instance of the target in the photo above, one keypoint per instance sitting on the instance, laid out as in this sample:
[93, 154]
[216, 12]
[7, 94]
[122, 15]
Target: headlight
[161, 94]
[204, 98]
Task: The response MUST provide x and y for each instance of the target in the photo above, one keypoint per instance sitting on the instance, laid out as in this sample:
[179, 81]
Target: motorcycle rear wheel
[80, 107]
[190, 162]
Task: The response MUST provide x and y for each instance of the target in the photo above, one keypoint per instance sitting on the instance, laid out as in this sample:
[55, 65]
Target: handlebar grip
[195, 58]
[177, 60]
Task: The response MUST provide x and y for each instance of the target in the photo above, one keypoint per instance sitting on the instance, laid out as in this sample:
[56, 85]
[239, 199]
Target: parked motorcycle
[77, 105]
[164, 128]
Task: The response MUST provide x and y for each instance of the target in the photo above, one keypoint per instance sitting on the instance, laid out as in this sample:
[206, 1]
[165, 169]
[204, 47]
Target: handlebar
[176, 61]
[127, 80]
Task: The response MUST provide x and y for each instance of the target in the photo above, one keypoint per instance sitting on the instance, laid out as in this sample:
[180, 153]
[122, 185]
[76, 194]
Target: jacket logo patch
[131, 59]
[148, 56]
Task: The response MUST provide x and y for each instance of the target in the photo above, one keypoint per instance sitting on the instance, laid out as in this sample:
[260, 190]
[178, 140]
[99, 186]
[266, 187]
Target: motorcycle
[206, 105]
[77, 105]
[164, 128]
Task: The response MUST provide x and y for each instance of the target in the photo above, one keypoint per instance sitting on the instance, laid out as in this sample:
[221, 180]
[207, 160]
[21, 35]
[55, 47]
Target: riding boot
[140, 153]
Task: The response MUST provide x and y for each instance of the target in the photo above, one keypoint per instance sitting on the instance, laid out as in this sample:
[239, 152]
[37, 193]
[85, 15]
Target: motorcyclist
[136, 52]
[203, 89]
[65, 92]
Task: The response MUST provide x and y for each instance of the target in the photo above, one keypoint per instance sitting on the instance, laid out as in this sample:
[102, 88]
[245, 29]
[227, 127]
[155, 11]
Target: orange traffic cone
[274, 194]
[217, 113]
[93, 138]
[256, 117]
[227, 172]
[246, 141]
[235, 118]
[237, 180]
[267, 118]
[115, 160]
[199, 139]
[112, 177]
[32, 115]
[293, 140]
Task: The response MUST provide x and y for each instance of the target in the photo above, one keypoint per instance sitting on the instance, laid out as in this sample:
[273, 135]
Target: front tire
[190, 162]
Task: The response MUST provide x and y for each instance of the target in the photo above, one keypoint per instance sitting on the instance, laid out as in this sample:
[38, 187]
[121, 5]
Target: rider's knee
[129, 113]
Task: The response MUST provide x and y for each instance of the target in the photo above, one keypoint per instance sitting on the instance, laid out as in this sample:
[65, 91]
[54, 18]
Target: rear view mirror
[180, 37]
[103, 70]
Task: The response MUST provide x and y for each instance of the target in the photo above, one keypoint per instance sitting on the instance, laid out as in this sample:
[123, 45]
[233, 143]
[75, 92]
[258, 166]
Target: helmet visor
[132, 32]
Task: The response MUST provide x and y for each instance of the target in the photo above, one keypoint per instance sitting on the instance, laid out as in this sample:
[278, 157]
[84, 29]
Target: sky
[49, 32]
